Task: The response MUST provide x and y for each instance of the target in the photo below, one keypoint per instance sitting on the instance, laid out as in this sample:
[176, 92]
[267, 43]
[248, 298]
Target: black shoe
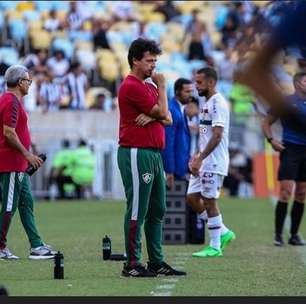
[296, 240]
[137, 271]
[164, 269]
[278, 240]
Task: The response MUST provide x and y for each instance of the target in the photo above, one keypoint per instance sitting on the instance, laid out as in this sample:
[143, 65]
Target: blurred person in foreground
[292, 170]
[177, 150]
[210, 165]
[257, 73]
[15, 157]
[144, 111]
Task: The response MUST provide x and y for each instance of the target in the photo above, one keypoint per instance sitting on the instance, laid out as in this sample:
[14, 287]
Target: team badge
[20, 176]
[147, 177]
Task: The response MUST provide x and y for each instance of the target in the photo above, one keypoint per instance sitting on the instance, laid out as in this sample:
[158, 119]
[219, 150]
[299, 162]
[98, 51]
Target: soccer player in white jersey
[210, 164]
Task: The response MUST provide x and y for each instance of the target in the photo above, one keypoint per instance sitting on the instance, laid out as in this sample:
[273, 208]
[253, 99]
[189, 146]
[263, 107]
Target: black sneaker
[296, 240]
[137, 271]
[164, 269]
[278, 240]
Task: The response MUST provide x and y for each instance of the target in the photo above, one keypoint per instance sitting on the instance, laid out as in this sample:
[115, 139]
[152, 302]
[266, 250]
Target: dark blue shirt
[291, 134]
[177, 151]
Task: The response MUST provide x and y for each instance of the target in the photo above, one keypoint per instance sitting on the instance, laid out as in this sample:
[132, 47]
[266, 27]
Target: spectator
[99, 30]
[104, 102]
[58, 64]
[53, 24]
[37, 62]
[74, 19]
[49, 94]
[77, 84]
[167, 9]
[200, 45]
[122, 10]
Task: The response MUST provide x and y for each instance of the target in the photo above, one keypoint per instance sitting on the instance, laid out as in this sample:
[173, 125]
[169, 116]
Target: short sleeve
[11, 113]
[219, 114]
[140, 97]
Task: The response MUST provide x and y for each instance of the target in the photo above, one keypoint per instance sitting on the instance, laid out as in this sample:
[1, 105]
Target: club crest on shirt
[20, 176]
[147, 177]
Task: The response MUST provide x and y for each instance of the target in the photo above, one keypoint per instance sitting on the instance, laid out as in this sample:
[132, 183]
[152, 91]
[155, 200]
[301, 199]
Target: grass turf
[251, 265]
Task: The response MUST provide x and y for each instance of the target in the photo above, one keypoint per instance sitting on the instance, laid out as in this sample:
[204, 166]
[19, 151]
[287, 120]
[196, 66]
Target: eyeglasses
[28, 80]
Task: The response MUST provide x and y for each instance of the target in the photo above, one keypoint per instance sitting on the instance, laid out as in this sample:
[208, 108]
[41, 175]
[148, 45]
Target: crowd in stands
[77, 51]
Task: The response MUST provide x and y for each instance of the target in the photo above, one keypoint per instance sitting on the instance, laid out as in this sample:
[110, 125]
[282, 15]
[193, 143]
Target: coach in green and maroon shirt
[143, 109]
[15, 156]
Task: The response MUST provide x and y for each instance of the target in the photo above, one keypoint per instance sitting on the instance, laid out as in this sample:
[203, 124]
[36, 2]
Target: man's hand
[195, 164]
[277, 145]
[170, 180]
[34, 160]
[158, 79]
[143, 119]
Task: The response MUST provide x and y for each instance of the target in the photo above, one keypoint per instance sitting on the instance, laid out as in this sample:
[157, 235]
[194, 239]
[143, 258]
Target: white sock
[214, 231]
[224, 229]
[203, 215]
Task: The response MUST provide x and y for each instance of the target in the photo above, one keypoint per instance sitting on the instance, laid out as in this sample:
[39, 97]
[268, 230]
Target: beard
[204, 93]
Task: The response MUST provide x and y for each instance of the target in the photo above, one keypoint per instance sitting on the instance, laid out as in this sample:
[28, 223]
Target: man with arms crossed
[14, 159]
[143, 110]
[210, 165]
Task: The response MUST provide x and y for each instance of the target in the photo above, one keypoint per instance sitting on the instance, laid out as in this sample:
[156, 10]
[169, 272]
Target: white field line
[168, 283]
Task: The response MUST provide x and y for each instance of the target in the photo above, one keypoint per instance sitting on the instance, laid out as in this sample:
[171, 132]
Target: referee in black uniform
[292, 170]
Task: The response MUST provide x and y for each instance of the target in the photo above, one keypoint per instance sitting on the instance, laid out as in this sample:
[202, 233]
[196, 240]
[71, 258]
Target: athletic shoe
[49, 247]
[40, 253]
[296, 240]
[164, 269]
[227, 238]
[137, 271]
[5, 254]
[208, 252]
[278, 240]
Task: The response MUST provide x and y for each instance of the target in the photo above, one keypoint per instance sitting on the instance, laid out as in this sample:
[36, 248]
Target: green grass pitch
[251, 265]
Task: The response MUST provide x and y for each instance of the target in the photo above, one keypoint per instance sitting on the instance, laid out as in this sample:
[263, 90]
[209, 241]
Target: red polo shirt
[136, 97]
[13, 115]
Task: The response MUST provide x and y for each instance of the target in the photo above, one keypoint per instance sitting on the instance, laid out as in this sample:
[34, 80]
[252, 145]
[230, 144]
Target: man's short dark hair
[179, 83]
[298, 76]
[139, 47]
[209, 72]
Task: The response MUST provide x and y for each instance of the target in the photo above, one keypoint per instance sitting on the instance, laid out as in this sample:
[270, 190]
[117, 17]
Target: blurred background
[77, 54]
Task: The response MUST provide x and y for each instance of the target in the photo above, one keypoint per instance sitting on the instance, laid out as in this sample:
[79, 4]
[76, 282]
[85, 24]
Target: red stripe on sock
[132, 242]
[4, 228]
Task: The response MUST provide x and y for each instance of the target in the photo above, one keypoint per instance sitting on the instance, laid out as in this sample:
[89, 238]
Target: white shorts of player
[207, 183]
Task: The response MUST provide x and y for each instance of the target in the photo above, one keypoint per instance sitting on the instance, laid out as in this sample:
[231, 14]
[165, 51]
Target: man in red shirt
[143, 109]
[15, 156]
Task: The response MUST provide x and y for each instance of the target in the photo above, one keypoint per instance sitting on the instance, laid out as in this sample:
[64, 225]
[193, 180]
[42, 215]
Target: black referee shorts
[292, 163]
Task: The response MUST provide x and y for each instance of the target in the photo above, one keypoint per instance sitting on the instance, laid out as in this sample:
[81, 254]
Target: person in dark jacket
[177, 151]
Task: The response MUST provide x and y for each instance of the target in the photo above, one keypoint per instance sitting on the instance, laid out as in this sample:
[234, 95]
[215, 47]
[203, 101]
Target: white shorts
[207, 183]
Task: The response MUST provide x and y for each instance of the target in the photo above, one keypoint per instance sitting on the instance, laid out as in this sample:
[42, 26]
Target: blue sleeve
[291, 30]
[168, 154]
